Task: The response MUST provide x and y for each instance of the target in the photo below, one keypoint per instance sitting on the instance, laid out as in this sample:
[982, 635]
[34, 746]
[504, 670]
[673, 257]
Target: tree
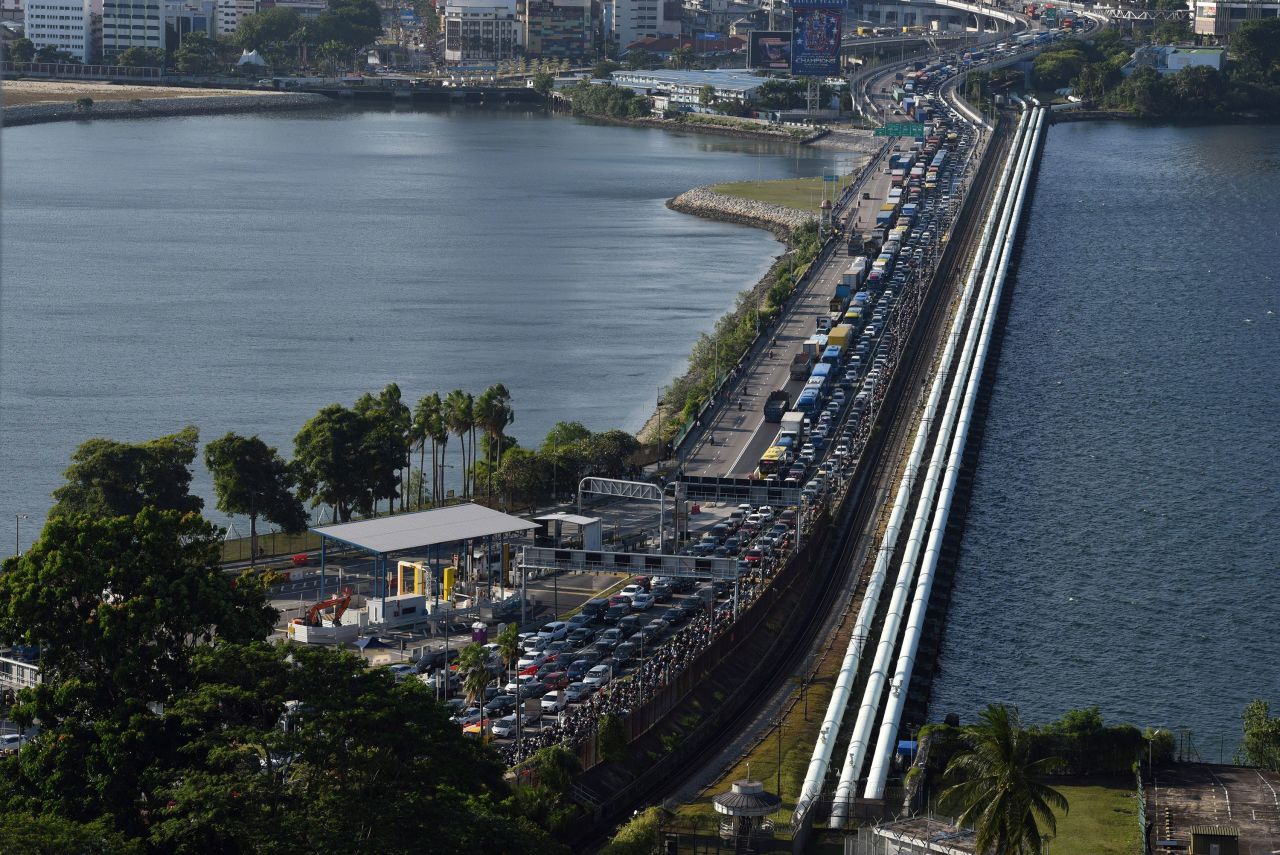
[1198, 89]
[329, 460]
[613, 738]
[1261, 745]
[46, 834]
[681, 57]
[509, 645]
[274, 26]
[251, 478]
[707, 95]
[1257, 46]
[997, 788]
[473, 670]
[604, 68]
[459, 416]
[51, 53]
[493, 414]
[142, 57]
[351, 23]
[424, 429]
[564, 433]
[21, 50]
[387, 424]
[198, 54]
[523, 473]
[543, 83]
[607, 453]
[118, 608]
[109, 478]
[641, 59]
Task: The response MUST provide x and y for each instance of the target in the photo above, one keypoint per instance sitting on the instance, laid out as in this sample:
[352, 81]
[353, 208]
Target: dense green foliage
[1261, 744]
[109, 478]
[168, 726]
[588, 99]
[570, 453]
[996, 786]
[639, 836]
[251, 478]
[19, 50]
[1250, 84]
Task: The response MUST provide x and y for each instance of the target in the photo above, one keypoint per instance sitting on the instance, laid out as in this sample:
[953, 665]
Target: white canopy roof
[404, 532]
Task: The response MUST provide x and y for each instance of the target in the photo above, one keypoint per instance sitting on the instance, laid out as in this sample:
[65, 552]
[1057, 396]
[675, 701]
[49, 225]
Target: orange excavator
[338, 603]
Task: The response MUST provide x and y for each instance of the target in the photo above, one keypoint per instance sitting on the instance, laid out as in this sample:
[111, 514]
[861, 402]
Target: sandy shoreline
[17, 93]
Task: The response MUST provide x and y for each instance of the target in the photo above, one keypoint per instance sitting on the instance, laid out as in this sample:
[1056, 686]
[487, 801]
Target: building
[481, 31]
[306, 9]
[131, 23]
[1170, 59]
[190, 16]
[682, 90]
[66, 25]
[19, 669]
[557, 28]
[229, 13]
[634, 20]
[1224, 18]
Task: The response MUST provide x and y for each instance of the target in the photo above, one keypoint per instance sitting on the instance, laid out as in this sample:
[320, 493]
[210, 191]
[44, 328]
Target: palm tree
[473, 668]
[998, 789]
[459, 417]
[439, 433]
[493, 413]
[509, 646]
[426, 415]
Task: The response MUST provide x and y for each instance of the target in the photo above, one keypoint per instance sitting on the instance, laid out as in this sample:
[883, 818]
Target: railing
[86, 72]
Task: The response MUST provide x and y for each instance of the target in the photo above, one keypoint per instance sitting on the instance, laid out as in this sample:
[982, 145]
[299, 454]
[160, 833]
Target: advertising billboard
[770, 50]
[815, 40]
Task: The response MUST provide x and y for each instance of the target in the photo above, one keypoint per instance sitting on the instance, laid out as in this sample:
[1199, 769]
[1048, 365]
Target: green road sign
[900, 129]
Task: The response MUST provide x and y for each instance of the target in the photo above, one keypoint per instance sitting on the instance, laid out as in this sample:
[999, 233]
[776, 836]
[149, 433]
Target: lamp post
[17, 518]
[661, 445]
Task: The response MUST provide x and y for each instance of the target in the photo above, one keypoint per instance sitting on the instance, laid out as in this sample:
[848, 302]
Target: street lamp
[661, 445]
[16, 519]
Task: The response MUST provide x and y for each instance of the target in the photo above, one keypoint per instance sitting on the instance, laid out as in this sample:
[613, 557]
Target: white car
[554, 631]
[641, 601]
[530, 659]
[554, 702]
[513, 687]
[631, 591]
[598, 676]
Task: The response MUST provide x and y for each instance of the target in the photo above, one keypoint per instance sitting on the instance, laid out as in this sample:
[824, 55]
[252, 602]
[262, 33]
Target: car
[624, 653]
[591, 656]
[471, 715]
[532, 689]
[661, 592]
[534, 643]
[599, 676]
[554, 631]
[610, 638]
[577, 692]
[513, 686]
[631, 590]
[577, 668]
[595, 608]
[554, 702]
[530, 659]
[629, 624]
[642, 602]
[674, 616]
[841, 450]
[578, 621]
[401, 671]
[754, 555]
[658, 625]
[505, 727]
[648, 632]
[692, 606]
[532, 670]
[617, 612]
[500, 705]
[581, 636]
[555, 680]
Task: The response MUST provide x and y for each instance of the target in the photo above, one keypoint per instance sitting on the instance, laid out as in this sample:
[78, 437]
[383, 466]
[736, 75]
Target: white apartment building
[634, 20]
[131, 23]
[63, 24]
[230, 12]
[480, 31]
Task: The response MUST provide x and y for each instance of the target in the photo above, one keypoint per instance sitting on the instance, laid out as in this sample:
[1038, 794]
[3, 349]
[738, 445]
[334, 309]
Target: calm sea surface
[1122, 546]
[239, 273]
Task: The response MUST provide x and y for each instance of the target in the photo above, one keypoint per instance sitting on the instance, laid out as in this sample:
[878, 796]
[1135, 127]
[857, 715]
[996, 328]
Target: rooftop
[723, 78]
[404, 532]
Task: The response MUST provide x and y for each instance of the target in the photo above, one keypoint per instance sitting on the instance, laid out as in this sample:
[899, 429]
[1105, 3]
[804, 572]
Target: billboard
[815, 41]
[769, 49]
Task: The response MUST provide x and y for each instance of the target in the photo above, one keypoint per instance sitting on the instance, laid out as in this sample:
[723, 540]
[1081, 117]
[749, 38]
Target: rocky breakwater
[143, 108]
[705, 202]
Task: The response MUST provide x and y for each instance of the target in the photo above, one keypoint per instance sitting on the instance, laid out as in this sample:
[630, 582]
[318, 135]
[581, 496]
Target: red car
[556, 680]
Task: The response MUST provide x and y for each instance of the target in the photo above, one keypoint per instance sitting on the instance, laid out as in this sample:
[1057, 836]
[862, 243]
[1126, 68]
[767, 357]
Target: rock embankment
[33, 114]
[704, 202]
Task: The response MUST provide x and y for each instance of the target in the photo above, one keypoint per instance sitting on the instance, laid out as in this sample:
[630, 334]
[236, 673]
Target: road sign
[900, 129]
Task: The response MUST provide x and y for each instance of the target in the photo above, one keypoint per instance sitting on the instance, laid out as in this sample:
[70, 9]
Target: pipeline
[872, 694]
[892, 717]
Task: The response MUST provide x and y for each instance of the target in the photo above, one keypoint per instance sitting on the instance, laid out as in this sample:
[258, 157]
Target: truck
[855, 272]
[841, 336]
[776, 405]
[792, 426]
[801, 363]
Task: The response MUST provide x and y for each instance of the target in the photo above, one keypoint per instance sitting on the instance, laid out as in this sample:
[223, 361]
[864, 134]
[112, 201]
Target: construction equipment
[338, 603]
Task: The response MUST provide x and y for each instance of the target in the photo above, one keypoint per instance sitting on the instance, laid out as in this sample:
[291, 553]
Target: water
[239, 273]
[1120, 547]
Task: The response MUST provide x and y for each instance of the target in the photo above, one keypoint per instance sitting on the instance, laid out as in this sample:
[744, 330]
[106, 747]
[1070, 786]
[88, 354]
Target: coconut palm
[426, 416]
[459, 417]
[997, 787]
[493, 413]
[509, 646]
[473, 668]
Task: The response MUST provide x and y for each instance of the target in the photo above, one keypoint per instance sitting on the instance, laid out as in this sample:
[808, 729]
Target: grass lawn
[804, 194]
[1103, 819]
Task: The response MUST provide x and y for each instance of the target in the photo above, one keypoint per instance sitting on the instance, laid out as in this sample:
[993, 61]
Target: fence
[81, 72]
[1142, 813]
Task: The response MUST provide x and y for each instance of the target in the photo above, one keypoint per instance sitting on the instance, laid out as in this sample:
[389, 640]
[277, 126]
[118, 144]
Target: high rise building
[131, 23]
[66, 25]
[557, 28]
[481, 31]
[229, 14]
